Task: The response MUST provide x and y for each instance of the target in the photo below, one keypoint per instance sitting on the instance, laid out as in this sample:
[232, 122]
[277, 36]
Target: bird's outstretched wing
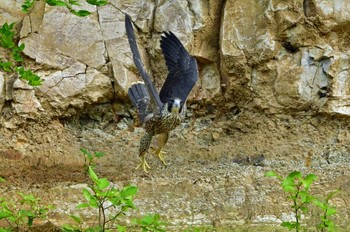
[137, 60]
[183, 70]
[139, 97]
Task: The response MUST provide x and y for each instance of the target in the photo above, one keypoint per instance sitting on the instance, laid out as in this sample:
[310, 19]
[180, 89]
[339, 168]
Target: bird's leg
[144, 146]
[162, 140]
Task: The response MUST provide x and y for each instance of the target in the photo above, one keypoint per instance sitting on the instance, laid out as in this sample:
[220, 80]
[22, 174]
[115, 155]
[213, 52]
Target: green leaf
[6, 66]
[27, 5]
[294, 175]
[103, 183]
[121, 228]
[30, 221]
[21, 47]
[76, 218]
[93, 175]
[289, 188]
[288, 225]
[80, 13]
[270, 174]
[309, 179]
[83, 205]
[87, 194]
[332, 194]
[304, 209]
[28, 75]
[4, 214]
[68, 228]
[147, 220]
[331, 211]
[56, 3]
[128, 191]
[97, 2]
[74, 2]
[17, 57]
[99, 154]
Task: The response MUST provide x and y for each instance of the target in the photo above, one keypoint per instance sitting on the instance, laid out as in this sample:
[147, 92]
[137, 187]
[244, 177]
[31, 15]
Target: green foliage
[327, 224]
[89, 158]
[150, 222]
[27, 5]
[21, 214]
[14, 64]
[110, 204]
[298, 190]
[69, 4]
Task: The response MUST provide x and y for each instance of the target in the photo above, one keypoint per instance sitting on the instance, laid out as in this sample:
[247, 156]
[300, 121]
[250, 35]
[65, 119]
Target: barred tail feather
[140, 98]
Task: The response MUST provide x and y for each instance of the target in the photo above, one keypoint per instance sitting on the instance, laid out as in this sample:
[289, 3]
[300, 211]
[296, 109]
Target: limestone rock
[2, 89]
[174, 16]
[276, 56]
[141, 11]
[74, 87]
[117, 45]
[63, 38]
[10, 11]
[25, 103]
[328, 14]
[210, 82]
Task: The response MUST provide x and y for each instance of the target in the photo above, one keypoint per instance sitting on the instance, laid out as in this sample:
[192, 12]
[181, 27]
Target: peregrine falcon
[159, 114]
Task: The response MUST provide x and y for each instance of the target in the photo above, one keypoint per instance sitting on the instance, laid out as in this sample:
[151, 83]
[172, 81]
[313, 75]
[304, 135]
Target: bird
[163, 112]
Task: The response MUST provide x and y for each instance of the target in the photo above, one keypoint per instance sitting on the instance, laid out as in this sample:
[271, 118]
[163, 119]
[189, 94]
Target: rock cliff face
[278, 56]
[274, 83]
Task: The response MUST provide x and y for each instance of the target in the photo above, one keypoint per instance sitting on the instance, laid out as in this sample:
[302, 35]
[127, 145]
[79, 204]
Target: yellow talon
[159, 152]
[144, 164]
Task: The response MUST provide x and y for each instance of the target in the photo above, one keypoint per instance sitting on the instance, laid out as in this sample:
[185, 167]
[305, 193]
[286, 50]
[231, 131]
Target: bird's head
[174, 106]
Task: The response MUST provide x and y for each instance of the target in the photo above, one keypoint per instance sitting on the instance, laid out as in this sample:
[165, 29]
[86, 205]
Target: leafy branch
[69, 4]
[110, 204]
[298, 190]
[14, 63]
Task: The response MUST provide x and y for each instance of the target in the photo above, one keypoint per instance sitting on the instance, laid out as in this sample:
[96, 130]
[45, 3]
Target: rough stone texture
[273, 94]
[279, 50]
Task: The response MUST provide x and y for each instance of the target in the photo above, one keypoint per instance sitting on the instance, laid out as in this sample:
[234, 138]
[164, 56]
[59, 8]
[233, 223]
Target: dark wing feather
[183, 70]
[137, 60]
[139, 97]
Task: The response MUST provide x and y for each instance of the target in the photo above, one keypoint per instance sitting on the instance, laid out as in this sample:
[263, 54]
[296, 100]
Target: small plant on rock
[326, 224]
[298, 190]
[111, 204]
[69, 4]
[89, 158]
[13, 65]
[21, 214]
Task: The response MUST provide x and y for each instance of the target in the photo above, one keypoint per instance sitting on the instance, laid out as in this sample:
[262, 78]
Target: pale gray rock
[10, 11]
[175, 16]
[210, 81]
[63, 39]
[75, 86]
[141, 11]
[119, 53]
[26, 103]
[32, 22]
[200, 11]
[340, 87]
[330, 13]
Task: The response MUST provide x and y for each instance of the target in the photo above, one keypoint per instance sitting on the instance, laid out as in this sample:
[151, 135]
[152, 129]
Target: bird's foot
[159, 152]
[144, 164]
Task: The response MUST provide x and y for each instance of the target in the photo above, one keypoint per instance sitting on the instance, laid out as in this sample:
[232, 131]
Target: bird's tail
[140, 98]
